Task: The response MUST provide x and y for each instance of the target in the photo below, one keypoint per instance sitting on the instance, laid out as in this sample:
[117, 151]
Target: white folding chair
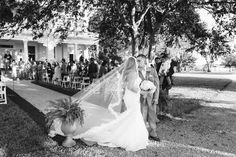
[3, 94]
[85, 82]
[66, 81]
[76, 83]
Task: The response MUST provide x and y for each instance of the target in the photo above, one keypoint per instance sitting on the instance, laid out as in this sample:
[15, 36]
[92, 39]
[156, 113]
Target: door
[31, 53]
[71, 57]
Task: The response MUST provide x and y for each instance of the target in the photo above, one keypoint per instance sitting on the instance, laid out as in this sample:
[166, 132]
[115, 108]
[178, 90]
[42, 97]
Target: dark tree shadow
[198, 82]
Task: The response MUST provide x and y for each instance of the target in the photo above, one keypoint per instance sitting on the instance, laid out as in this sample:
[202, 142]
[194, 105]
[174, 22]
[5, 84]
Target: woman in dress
[126, 130]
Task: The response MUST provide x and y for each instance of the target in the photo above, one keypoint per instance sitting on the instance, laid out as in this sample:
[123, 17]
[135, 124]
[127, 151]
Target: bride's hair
[130, 66]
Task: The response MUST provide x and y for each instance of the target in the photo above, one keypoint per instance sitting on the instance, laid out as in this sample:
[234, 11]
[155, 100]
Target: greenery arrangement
[66, 110]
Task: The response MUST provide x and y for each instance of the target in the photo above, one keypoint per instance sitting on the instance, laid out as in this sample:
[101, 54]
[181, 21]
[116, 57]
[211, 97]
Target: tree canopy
[120, 23]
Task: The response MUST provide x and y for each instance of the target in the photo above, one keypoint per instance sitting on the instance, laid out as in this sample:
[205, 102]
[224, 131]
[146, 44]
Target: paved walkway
[34, 94]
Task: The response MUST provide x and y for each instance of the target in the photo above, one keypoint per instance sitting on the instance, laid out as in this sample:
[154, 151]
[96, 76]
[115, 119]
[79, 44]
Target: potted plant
[71, 115]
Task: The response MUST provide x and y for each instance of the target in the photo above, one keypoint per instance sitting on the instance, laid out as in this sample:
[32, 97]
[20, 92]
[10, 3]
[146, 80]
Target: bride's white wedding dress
[127, 130]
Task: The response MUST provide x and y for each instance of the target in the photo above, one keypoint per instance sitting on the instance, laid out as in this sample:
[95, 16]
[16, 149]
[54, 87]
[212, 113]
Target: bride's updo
[130, 66]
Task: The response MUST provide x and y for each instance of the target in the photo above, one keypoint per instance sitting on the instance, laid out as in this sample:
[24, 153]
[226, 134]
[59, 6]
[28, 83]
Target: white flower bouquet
[147, 86]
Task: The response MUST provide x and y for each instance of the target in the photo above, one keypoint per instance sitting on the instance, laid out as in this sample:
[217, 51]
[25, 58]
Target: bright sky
[206, 17]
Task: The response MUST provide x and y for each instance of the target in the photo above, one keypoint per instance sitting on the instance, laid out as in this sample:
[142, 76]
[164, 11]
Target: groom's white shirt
[143, 71]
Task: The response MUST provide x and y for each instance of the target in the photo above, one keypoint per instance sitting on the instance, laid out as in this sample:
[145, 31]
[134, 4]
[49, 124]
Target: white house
[23, 46]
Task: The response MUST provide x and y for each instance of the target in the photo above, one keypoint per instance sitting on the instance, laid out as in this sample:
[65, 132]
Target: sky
[207, 18]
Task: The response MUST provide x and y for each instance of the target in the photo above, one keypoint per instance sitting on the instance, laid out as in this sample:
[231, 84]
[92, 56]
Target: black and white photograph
[117, 78]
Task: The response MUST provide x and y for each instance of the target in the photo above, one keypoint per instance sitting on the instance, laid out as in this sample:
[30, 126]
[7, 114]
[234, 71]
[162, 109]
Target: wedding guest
[21, 68]
[63, 68]
[92, 70]
[14, 69]
[57, 73]
[162, 70]
[173, 66]
[74, 69]
[103, 69]
[49, 71]
[40, 71]
[34, 70]
[7, 60]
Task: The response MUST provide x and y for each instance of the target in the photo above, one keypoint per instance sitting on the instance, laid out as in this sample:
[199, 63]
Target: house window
[6, 46]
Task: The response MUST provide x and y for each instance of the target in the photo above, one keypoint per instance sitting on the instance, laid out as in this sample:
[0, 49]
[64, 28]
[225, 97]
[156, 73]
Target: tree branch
[141, 18]
[133, 16]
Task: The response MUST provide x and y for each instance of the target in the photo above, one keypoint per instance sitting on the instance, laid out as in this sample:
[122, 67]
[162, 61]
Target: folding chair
[3, 94]
[85, 82]
[66, 81]
[76, 83]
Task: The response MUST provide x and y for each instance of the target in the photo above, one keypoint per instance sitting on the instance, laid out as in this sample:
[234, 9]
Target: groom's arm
[157, 84]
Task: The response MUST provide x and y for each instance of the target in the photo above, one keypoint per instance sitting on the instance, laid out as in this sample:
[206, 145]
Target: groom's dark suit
[147, 106]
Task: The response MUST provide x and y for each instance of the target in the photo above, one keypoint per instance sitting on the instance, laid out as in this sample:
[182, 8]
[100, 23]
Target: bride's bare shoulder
[132, 75]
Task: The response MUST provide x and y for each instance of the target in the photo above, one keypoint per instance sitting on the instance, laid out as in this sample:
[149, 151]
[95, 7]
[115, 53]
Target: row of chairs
[68, 81]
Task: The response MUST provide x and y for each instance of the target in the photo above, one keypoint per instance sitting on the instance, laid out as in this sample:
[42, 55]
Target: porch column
[50, 53]
[26, 53]
[50, 49]
[76, 53]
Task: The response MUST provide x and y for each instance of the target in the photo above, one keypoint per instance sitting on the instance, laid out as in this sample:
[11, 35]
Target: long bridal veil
[101, 102]
[104, 92]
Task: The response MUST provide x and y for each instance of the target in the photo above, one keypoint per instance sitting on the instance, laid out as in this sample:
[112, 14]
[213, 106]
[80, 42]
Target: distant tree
[186, 60]
[229, 61]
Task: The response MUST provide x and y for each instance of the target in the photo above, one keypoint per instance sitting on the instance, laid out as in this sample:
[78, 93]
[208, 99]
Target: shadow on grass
[22, 136]
[198, 82]
[66, 91]
[32, 111]
[180, 106]
[18, 133]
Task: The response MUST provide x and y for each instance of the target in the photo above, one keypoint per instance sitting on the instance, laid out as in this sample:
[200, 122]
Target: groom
[149, 101]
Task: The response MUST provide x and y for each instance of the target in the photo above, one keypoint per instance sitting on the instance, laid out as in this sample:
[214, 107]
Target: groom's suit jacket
[147, 107]
[152, 76]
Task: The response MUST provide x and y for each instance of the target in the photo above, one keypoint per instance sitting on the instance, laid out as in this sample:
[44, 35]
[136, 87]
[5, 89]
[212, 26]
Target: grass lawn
[191, 93]
[22, 131]
[22, 136]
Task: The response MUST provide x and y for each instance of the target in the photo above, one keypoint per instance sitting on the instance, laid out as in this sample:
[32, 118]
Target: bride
[126, 130]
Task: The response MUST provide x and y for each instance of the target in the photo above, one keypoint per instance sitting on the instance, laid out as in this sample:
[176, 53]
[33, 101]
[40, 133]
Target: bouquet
[146, 87]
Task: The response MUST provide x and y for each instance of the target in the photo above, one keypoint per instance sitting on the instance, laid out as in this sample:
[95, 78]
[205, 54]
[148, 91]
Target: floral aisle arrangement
[70, 114]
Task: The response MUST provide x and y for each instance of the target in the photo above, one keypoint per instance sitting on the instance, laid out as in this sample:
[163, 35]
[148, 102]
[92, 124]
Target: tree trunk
[134, 42]
[151, 34]
[134, 45]
[207, 64]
